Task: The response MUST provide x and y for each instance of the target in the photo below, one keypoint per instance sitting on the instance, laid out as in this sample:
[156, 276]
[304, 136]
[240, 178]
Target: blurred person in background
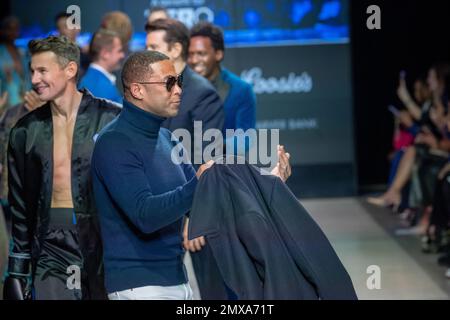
[438, 233]
[63, 29]
[406, 128]
[107, 53]
[421, 161]
[119, 22]
[156, 13]
[72, 34]
[14, 76]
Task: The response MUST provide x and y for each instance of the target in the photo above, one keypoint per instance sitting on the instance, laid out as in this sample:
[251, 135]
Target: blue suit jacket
[100, 86]
[240, 103]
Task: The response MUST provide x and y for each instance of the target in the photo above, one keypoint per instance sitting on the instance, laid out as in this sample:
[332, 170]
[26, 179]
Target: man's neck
[215, 74]
[66, 106]
[103, 65]
[179, 65]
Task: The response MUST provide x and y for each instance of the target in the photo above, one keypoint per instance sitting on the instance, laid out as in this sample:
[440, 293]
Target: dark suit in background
[199, 102]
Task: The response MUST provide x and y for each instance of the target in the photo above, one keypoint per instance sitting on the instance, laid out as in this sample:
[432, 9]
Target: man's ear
[219, 55]
[71, 70]
[135, 91]
[175, 50]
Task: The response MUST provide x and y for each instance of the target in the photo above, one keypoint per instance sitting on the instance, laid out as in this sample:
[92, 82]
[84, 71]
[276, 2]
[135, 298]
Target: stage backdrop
[295, 53]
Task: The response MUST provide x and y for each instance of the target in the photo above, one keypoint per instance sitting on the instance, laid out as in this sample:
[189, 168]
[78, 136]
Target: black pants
[57, 274]
[429, 167]
[440, 217]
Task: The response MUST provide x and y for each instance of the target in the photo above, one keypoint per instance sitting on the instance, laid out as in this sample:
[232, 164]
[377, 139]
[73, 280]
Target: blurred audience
[14, 75]
[420, 180]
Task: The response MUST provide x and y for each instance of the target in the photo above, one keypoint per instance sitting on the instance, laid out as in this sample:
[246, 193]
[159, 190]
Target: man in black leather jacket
[55, 235]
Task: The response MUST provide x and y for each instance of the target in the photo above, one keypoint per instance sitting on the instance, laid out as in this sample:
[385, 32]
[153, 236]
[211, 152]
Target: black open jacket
[265, 244]
[30, 166]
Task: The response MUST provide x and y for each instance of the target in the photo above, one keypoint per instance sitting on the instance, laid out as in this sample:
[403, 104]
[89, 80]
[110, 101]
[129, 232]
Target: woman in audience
[428, 138]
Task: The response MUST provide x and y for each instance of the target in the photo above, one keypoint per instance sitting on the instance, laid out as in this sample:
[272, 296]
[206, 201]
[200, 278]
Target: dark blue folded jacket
[265, 244]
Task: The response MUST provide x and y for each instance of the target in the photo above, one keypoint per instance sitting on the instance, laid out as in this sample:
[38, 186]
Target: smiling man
[55, 236]
[206, 52]
[142, 195]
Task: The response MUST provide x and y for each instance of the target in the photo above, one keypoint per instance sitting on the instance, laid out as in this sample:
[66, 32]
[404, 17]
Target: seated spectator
[406, 121]
[429, 138]
[107, 53]
[437, 239]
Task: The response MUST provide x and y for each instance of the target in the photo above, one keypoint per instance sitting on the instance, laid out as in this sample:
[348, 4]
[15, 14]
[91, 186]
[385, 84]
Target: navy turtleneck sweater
[141, 197]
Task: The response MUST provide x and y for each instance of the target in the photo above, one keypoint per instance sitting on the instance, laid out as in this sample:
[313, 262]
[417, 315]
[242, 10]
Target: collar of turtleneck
[146, 122]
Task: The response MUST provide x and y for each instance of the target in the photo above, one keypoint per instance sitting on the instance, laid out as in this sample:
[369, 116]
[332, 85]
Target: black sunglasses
[170, 82]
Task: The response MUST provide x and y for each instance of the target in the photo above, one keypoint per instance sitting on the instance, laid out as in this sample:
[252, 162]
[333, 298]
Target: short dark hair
[65, 50]
[62, 14]
[156, 9]
[137, 66]
[175, 32]
[102, 39]
[211, 31]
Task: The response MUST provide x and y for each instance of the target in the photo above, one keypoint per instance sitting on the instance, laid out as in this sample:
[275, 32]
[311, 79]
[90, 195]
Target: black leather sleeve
[19, 260]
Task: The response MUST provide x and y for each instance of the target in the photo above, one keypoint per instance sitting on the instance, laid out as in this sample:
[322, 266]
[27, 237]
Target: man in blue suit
[206, 52]
[107, 52]
[199, 100]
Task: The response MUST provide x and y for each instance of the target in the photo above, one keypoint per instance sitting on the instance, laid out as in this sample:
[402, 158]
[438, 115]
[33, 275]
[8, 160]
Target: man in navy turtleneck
[141, 195]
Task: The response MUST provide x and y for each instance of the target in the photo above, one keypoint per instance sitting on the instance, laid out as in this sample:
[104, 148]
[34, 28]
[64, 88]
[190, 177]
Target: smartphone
[394, 110]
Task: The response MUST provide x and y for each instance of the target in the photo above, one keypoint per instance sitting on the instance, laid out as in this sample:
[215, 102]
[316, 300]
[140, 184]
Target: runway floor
[364, 236]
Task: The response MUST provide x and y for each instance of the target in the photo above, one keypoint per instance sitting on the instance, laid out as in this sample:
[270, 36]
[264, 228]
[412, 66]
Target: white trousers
[180, 292]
